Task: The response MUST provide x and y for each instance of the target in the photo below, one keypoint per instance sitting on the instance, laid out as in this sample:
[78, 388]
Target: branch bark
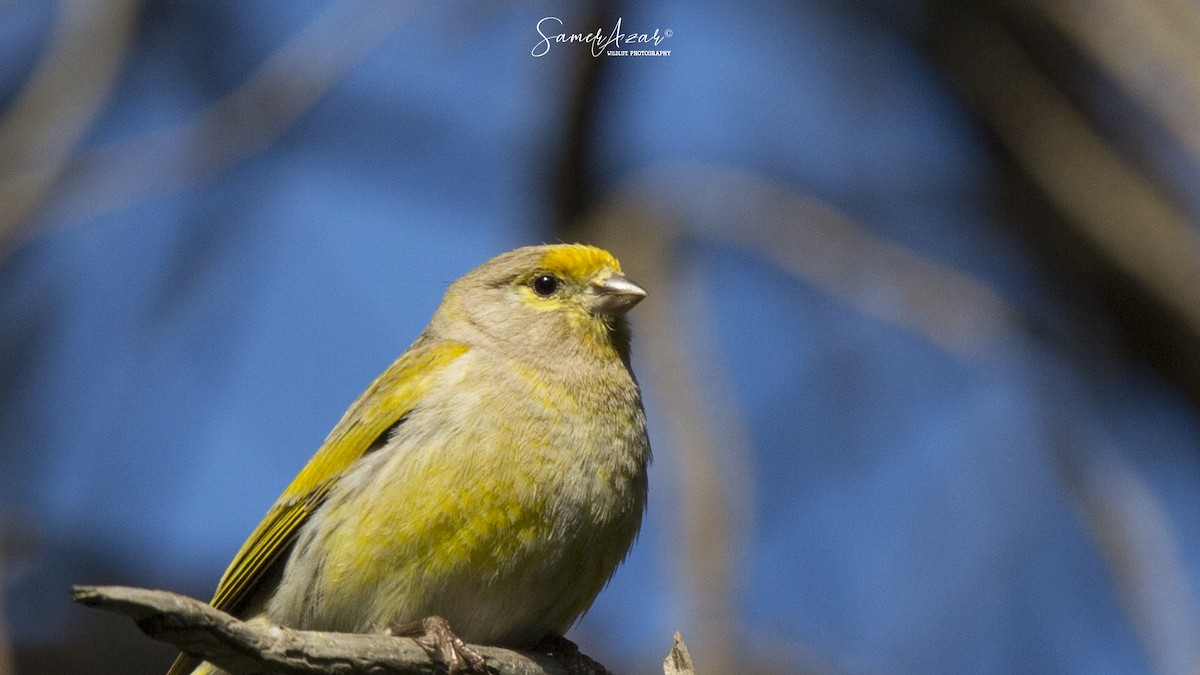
[243, 648]
[679, 659]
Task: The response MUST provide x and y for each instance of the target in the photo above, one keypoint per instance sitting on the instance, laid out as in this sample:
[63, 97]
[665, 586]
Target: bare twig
[241, 647]
[679, 660]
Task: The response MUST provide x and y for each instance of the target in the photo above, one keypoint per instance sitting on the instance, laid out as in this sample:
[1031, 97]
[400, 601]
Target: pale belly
[505, 561]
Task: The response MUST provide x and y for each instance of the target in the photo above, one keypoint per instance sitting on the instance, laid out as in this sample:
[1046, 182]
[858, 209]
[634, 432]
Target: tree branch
[679, 659]
[243, 648]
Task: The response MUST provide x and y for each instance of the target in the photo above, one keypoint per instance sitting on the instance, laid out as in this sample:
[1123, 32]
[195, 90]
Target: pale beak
[616, 295]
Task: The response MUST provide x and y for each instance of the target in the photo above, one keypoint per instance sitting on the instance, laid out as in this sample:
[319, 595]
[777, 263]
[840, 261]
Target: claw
[434, 635]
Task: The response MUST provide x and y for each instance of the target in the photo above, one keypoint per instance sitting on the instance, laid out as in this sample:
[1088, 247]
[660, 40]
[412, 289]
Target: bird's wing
[365, 427]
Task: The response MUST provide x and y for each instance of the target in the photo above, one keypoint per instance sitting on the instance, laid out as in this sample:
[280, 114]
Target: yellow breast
[502, 513]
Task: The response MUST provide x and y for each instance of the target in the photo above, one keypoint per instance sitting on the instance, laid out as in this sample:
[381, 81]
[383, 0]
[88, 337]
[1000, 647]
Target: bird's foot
[433, 634]
[567, 652]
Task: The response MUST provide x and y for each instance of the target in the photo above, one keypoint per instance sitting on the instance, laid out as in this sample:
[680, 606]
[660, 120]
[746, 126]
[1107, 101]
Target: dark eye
[545, 285]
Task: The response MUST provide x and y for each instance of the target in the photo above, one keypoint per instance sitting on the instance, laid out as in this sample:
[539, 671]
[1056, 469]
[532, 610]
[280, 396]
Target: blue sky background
[188, 309]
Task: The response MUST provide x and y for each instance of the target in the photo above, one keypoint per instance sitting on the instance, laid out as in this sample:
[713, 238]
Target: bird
[484, 488]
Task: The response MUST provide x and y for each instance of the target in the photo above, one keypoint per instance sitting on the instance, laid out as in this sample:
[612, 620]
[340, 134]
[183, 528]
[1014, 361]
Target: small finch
[484, 487]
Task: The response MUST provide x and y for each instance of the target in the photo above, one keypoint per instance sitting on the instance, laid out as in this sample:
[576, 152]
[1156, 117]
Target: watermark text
[600, 41]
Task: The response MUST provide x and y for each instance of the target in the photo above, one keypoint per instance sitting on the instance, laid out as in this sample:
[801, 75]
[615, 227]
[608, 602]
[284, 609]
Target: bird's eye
[545, 285]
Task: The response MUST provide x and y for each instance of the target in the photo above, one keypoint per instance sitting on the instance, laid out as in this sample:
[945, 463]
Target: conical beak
[616, 295]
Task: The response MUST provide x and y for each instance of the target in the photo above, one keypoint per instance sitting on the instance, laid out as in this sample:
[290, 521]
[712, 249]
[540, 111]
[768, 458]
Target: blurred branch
[1146, 248]
[702, 416]
[58, 105]
[714, 495]
[572, 190]
[1132, 531]
[814, 242]
[645, 222]
[6, 663]
[248, 648]
[235, 126]
[1151, 48]
[1113, 207]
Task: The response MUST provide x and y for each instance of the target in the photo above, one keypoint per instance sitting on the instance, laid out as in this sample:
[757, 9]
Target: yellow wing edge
[389, 398]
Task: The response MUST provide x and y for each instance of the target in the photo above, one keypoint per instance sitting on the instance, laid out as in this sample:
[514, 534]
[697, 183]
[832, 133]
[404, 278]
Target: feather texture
[494, 474]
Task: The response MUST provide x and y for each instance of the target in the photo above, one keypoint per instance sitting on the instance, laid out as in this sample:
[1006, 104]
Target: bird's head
[547, 301]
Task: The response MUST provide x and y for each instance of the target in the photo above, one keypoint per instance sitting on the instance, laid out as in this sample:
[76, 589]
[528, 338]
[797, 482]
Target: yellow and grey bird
[493, 475]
